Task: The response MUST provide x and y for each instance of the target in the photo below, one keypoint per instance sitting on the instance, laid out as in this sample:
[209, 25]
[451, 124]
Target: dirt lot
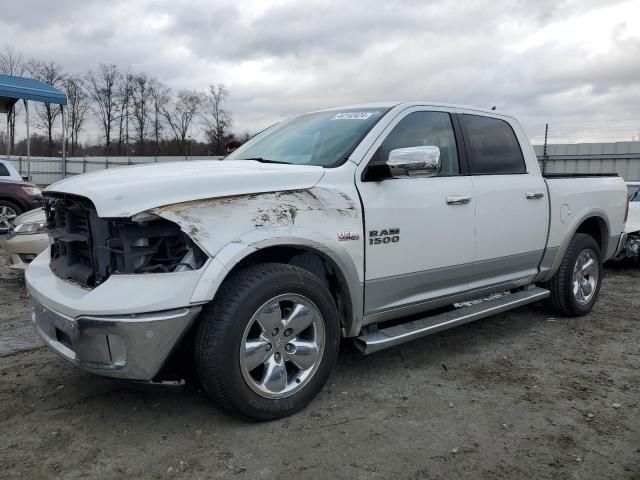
[520, 395]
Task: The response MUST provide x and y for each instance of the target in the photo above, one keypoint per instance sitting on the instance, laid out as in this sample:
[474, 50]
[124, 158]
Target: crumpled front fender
[231, 228]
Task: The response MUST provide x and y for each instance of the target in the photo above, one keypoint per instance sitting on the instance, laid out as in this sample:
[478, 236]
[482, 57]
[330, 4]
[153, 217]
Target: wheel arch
[16, 201]
[597, 227]
[593, 223]
[334, 267]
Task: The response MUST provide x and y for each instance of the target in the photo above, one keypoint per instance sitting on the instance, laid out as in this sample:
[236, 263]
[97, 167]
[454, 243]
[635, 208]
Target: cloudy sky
[574, 64]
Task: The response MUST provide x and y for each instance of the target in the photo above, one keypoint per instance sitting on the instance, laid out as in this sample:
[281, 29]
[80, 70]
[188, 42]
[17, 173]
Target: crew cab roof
[416, 103]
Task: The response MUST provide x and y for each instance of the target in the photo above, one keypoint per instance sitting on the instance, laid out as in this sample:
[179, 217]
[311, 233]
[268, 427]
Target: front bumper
[17, 263]
[131, 346]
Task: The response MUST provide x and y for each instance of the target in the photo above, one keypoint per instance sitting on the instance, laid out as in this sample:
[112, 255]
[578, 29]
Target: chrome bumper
[131, 346]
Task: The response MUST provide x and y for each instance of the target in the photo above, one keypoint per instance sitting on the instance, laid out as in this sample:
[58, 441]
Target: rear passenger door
[511, 202]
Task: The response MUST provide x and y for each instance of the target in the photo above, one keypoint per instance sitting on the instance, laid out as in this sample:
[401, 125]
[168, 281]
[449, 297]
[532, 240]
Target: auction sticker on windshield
[353, 115]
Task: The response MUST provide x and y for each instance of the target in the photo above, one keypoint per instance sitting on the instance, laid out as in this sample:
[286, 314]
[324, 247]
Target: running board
[405, 332]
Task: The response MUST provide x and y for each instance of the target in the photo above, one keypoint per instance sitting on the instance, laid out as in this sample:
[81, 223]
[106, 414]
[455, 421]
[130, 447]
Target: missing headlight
[152, 247]
[88, 249]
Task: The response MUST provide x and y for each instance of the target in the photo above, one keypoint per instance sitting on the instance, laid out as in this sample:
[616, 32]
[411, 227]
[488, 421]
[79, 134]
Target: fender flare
[577, 221]
[228, 257]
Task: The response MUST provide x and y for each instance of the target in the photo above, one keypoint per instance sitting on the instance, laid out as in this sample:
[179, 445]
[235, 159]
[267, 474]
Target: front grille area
[69, 222]
[88, 249]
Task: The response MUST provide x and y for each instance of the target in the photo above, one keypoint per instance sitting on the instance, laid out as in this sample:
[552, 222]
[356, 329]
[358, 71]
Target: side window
[4, 171]
[424, 128]
[492, 146]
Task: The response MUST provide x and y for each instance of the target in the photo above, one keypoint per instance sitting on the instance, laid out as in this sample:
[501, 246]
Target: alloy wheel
[7, 215]
[585, 276]
[282, 346]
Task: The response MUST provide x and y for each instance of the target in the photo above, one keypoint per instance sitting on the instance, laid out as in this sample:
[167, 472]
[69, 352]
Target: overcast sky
[574, 64]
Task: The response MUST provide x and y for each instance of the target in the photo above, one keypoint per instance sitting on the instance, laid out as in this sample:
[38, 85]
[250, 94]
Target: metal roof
[13, 89]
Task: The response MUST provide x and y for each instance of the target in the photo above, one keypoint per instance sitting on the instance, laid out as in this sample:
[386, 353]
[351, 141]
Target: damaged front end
[88, 249]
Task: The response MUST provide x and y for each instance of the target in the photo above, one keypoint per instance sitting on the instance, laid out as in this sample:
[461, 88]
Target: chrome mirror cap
[423, 161]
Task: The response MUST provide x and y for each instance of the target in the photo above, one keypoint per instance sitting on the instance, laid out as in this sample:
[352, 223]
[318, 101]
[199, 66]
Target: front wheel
[266, 345]
[575, 286]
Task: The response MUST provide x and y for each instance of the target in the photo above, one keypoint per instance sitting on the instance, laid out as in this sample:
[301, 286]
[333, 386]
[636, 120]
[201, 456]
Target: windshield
[325, 139]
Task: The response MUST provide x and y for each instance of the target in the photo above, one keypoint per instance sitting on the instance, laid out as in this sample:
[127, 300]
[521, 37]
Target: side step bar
[405, 332]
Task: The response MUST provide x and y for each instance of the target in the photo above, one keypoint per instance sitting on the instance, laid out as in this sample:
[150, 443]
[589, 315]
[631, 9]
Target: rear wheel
[266, 345]
[8, 213]
[576, 285]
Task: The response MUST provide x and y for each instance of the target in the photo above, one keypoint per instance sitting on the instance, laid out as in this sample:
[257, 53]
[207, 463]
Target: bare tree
[47, 113]
[141, 98]
[160, 96]
[217, 120]
[185, 108]
[12, 63]
[76, 111]
[125, 92]
[101, 86]
[246, 136]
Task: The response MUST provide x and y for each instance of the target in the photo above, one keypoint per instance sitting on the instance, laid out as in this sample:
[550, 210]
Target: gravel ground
[521, 395]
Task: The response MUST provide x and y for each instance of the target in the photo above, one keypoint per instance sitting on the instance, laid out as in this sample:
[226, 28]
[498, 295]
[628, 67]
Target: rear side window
[492, 146]
[4, 171]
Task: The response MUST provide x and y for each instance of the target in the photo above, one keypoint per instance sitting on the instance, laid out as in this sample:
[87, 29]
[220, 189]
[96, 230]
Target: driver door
[420, 232]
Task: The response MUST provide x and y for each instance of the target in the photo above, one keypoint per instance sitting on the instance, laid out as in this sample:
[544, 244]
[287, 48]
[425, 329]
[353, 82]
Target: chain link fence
[622, 158]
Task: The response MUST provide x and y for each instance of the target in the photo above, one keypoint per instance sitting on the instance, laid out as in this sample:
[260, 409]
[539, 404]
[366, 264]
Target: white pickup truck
[378, 222]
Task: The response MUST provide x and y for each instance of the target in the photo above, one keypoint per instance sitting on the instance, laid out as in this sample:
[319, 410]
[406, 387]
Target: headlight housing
[33, 191]
[29, 228]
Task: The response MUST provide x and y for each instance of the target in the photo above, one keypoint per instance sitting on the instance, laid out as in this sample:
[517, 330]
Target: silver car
[25, 239]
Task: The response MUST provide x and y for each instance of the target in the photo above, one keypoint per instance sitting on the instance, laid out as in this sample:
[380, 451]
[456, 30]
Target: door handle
[458, 200]
[534, 195]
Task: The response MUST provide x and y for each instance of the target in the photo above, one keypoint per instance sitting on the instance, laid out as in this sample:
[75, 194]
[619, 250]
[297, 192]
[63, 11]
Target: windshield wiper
[265, 160]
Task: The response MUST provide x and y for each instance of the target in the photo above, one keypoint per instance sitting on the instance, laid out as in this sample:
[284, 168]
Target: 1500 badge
[380, 237]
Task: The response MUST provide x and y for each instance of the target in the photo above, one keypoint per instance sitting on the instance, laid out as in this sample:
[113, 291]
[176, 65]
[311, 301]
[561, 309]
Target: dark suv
[15, 198]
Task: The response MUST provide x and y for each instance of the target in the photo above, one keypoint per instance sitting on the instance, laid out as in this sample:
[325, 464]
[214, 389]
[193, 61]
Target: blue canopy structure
[26, 89]
[13, 89]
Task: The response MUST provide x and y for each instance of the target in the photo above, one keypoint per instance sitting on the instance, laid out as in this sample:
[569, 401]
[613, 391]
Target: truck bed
[573, 197]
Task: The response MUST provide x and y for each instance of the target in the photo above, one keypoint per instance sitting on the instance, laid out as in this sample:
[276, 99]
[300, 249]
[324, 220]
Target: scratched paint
[315, 213]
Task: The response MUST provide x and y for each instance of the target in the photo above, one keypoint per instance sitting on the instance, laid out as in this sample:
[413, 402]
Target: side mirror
[423, 161]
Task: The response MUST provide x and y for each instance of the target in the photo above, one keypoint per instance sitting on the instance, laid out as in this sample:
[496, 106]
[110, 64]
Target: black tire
[222, 327]
[562, 300]
[9, 205]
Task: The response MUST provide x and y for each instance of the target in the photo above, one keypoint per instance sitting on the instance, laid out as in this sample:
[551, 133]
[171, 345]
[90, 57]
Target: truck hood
[125, 191]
